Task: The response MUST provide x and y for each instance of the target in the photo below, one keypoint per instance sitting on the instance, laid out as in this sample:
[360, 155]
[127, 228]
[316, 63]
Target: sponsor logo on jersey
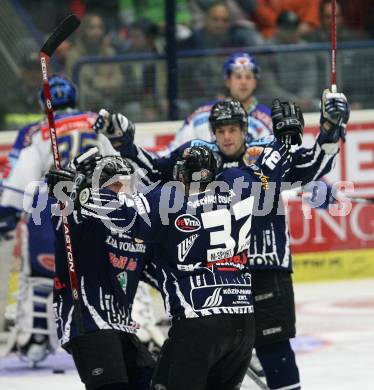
[123, 262]
[187, 223]
[231, 164]
[185, 246]
[47, 261]
[209, 199]
[71, 124]
[125, 245]
[223, 296]
[267, 259]
[188, 267]
[214, 300]
[264, 180]
[122, 279]
[231, 263]
[219, 254]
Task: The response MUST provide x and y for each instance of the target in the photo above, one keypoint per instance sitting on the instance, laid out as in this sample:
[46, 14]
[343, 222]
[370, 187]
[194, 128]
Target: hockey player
[201, 234]
[30, 158]
[269, 254]
[109, 265]
[241, 73]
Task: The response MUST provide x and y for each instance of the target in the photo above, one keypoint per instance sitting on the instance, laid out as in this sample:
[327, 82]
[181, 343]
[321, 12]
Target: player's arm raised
[311, 164]
[121, 131]
[288, 125]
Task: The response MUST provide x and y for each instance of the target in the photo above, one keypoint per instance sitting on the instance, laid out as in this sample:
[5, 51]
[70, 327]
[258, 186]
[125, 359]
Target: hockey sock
[278, 361]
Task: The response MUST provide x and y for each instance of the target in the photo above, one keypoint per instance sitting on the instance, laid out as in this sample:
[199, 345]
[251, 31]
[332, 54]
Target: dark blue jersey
[270, 243]
[109, 265]
[201, 240]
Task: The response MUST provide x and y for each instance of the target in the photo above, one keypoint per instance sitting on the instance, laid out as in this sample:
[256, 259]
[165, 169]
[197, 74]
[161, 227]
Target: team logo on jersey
[185, 246]
[251, 155]
[187, 223]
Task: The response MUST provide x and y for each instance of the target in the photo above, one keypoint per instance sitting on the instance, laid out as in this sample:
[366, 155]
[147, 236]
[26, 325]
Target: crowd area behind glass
[118, 55]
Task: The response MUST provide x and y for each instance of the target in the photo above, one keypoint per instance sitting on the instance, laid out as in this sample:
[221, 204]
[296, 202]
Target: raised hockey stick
[64, 29]
[333, 47]
[334, 88]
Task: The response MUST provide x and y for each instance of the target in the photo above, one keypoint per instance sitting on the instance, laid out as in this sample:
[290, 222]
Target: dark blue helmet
[197, 164]
[63, 93]
[241, 61]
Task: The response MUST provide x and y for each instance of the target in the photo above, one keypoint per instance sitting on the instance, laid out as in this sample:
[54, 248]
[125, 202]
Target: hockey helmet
[197, 164]
[63, 93]
[241, 61]
[111, 169]
[101, 171]
[226, 112]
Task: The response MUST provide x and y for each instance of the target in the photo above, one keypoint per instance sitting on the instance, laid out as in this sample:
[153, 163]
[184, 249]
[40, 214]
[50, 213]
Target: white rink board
[355, 163]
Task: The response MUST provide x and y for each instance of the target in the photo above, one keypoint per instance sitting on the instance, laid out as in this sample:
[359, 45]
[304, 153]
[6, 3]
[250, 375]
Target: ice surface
[335, 344]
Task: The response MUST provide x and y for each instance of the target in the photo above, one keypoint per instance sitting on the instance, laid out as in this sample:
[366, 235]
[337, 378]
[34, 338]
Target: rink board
[334, 265]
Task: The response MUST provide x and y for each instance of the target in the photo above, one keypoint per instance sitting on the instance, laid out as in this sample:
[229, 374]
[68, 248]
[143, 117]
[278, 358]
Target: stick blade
[63, 30]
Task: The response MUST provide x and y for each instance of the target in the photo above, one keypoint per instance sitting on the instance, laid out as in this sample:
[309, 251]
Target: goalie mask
[227, 112]
[197, 164]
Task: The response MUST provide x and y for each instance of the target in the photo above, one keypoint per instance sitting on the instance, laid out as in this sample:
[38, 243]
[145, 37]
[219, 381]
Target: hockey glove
[55, 176]
[86, 162]
[288, 122]
[78, 187]
[116, 127]
[334, 117]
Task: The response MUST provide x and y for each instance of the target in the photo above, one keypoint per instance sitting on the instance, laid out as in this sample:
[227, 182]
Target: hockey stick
[255, 378]
[67, 27]
[333, 47]
[334, 88]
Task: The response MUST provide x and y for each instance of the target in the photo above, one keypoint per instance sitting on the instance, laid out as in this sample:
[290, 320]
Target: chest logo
[187, 223]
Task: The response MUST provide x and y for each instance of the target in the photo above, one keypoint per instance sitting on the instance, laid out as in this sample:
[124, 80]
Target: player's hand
[334, 116]
[288, 122]
[55, 176]
[116, 127]
[78, 185]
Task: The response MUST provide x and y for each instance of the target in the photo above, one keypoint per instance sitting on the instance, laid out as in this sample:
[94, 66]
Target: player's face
[230, 140]
[241, 85]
